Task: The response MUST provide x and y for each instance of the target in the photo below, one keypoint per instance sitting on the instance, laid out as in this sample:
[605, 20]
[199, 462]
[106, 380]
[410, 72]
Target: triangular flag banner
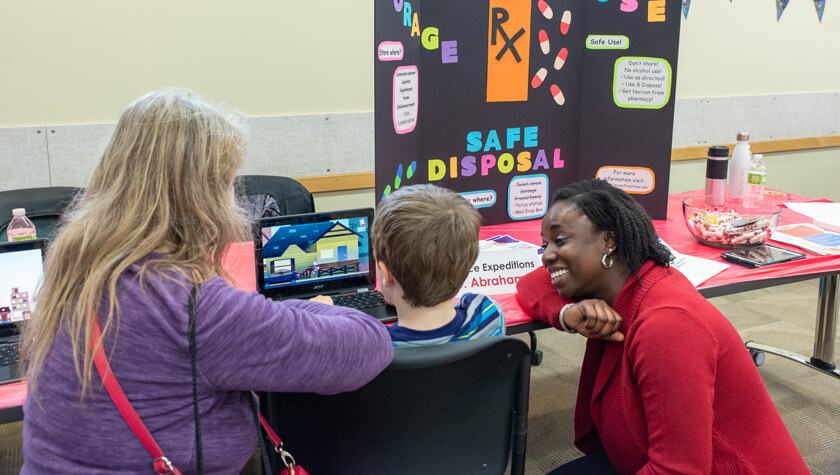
[818, 4]
[687, 3]
[780, 8]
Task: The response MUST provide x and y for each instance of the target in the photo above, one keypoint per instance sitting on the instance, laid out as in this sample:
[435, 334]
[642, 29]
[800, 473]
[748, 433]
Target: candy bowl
[731, 225]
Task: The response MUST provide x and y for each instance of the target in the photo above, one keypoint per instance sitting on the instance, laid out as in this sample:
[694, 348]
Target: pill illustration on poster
[545, 10]
[560, 60]
[538, 78]
[557, 94]
[566, 22]
[544, 44]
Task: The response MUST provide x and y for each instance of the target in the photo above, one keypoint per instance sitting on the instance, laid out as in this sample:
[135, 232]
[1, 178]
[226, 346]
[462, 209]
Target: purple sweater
[243, 341]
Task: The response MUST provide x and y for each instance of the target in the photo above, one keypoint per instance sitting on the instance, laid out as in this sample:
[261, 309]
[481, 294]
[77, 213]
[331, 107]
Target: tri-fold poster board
[504, 101]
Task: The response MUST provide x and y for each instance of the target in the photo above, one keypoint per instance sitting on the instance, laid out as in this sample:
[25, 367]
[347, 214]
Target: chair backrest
[453, 408]
[44, 207]
[265, 196]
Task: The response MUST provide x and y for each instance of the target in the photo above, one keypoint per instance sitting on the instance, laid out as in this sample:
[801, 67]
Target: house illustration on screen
[310, 251]
[20, 304]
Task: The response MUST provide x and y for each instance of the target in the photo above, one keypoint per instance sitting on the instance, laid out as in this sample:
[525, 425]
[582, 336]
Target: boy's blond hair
[428, 238]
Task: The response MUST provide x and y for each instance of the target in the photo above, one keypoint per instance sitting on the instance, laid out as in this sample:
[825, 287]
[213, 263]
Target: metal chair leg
[536, 355]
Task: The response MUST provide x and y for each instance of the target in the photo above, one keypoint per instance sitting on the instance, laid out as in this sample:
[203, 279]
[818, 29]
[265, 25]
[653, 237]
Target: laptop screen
[21, 272]
[304, 255]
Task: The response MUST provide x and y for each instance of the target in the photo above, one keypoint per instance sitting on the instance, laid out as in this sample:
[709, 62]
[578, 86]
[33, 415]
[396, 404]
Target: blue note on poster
[827, 239]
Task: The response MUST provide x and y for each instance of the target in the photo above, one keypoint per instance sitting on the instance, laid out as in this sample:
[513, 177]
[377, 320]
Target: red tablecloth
[674, 232]
[239, 262]
[12, 394]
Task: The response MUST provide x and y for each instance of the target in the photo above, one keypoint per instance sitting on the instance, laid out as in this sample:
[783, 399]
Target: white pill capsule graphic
[538, 78]
[565, 22]
[557, 94]
[560, 60]
[544, 46]
[545, 9]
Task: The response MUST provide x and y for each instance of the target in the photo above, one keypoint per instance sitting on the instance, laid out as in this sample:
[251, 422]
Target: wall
[70, 63]
[81, 62]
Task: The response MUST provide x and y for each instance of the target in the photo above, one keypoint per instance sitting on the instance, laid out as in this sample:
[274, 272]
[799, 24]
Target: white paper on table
[696, 269]
[815, 210]
[809, 237]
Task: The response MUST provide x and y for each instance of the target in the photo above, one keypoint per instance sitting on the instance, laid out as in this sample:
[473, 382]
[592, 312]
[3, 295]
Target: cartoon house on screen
[310, 251]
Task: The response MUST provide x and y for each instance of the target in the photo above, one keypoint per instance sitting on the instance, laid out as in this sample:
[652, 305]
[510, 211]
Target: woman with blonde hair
[151, 227]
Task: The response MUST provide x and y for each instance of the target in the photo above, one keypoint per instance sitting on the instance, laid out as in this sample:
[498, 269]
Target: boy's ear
[384, 274]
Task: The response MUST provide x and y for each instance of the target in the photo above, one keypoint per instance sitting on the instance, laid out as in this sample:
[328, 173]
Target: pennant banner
[820, 6]
[780, 8]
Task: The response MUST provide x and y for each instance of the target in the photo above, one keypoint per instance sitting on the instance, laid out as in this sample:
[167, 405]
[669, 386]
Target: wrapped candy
[727, 228]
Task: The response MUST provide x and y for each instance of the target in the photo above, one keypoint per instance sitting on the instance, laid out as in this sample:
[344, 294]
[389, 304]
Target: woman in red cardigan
[667, 385]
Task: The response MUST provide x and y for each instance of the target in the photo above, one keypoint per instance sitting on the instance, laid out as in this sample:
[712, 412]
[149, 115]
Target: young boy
[425, 239]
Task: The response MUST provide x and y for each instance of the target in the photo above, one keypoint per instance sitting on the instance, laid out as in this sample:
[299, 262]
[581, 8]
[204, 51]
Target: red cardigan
[680, 394]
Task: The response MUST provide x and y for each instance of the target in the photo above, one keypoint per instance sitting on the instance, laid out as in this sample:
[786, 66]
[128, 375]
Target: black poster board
[505, 101]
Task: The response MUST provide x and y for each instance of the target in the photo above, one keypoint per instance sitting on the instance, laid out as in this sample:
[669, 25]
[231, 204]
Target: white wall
[82, 61]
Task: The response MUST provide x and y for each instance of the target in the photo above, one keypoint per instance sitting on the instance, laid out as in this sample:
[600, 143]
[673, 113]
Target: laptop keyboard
[360, 300]
[9, 354]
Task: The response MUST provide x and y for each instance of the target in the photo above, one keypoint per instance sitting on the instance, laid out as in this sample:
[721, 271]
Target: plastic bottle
[739, 166]
[716, 175]
[757, 178]
[20, 228]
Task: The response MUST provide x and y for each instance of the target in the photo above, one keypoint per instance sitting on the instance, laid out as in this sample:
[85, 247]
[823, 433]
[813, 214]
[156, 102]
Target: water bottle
[716, 175]
[757, 177]
[739, 166]
[20, 228]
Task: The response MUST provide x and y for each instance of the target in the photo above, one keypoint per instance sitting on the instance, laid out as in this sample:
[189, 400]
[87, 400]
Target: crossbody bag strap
[285, 456]
[162, 465]
[199, 451]
[291, 468]
[258, 419]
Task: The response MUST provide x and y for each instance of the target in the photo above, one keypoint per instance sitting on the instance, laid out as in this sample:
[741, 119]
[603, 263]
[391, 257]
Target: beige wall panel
[74, 150]
[23, 158]
[310, 145]
[717, 120]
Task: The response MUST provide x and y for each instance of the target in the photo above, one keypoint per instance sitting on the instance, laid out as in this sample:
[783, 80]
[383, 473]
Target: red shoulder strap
[275, 439]
[162, 464]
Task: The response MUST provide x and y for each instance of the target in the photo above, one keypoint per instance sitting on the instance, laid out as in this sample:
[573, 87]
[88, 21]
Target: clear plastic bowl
[735, 224]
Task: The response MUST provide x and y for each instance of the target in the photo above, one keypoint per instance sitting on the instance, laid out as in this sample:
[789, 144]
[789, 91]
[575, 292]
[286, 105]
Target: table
[239, 262]
[733, 280]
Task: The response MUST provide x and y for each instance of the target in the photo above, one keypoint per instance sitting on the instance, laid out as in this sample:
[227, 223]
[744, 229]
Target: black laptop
[304, 255]
[21, 272]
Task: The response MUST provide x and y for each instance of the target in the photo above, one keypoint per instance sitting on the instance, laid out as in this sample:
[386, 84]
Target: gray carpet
[784, 316]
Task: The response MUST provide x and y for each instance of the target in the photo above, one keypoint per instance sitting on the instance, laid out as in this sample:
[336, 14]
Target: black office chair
[265, 196]
[44, 207]
[453, 408]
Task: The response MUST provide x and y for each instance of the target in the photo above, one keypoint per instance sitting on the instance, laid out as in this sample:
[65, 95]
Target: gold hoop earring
[604, 262]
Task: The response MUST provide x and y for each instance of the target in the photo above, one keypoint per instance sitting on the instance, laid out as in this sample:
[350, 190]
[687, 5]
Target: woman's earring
[604, 262]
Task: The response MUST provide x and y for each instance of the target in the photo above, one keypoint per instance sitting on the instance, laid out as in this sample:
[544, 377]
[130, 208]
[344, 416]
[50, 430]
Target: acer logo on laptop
[318, 287]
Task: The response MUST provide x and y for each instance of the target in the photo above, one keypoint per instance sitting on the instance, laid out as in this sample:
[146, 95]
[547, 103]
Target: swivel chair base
[757, 351]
